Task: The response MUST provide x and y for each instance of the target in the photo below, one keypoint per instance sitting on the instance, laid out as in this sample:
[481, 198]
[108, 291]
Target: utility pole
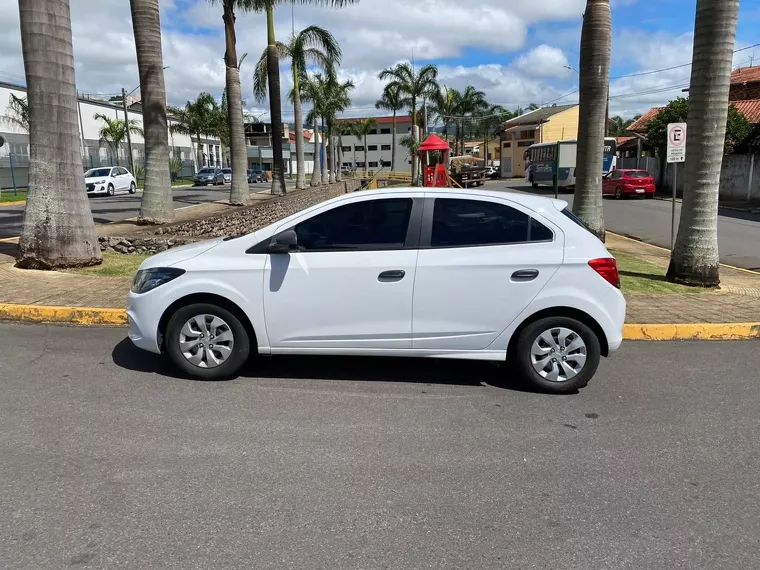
[126, 126]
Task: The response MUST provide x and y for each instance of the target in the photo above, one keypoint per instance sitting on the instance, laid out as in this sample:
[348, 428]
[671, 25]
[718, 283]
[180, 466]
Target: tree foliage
[738, 128]
[114, 131]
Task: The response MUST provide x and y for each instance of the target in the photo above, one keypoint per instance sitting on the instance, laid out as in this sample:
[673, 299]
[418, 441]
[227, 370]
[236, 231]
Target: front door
[350, 285]
[506, 167]
[485, 261]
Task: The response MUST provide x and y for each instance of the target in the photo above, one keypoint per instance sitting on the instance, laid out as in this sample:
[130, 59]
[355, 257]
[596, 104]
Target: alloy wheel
[558, 354]
[206, 341]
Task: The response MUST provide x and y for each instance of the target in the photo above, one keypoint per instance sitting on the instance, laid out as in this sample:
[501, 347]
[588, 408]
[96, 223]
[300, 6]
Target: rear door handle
[390, 276]
[525, 275]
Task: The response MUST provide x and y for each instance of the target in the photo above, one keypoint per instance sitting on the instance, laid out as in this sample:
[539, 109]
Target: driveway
[649, 220]
[109, 460]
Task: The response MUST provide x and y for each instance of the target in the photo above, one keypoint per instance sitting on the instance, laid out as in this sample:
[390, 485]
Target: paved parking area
[110, 460]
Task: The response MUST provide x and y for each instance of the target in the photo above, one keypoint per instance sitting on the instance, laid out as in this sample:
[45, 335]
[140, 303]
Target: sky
[516, 51]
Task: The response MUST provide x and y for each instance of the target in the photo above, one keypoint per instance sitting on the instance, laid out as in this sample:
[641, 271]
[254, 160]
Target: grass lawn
[177, 182]
[638, 276]
[114, 265]
[7, 196]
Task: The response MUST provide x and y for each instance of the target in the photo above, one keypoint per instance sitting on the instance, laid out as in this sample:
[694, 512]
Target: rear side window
[637, 174]
[472, 223]
[576, 219]
[368, 225]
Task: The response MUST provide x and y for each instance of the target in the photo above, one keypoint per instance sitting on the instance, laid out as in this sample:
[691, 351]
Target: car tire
[533, 184]
[531, 345]
[132, 188]
[618, 193]
[227, 322]
[111, 191]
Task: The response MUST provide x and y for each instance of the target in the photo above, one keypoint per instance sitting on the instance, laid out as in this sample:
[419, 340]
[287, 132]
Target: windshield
[637, 174]
[205, 171]
[97, 172]
[227, 170]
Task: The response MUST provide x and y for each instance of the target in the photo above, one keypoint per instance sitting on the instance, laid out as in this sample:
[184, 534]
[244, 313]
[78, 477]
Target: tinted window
[373, 224]
[637, 174]
[206, 171]
[475, 223]
[539, 232]
[575, 219]
[616, 174]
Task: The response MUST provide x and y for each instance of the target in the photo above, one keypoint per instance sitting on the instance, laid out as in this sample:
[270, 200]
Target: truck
[467, 171]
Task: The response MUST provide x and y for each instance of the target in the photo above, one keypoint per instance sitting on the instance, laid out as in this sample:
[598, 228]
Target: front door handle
[525, 275]
[391, 276]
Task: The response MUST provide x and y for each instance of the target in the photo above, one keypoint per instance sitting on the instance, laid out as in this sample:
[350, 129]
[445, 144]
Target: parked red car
[623, 183]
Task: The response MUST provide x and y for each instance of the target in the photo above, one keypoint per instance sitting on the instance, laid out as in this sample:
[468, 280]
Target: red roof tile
[746, 75]
[641, 123]
[750, 109]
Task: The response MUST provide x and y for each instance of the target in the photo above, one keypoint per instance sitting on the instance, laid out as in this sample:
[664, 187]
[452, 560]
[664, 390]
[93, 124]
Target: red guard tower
[436, 174]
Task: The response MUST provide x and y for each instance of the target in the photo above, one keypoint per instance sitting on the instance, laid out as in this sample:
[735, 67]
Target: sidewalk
[738, 300]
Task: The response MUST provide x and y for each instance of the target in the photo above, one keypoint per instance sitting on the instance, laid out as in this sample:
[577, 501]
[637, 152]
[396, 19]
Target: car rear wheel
[132, 188]
[618, 193]
[207, 341]
[111, 191]
[557, 354]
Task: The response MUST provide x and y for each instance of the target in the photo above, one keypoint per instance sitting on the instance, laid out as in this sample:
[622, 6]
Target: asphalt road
[106, 209]
[649, 220]
[108, 460]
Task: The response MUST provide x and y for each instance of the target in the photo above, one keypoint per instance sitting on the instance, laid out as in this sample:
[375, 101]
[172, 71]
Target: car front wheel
[557, 354]
[132, 188]
[111, 191]
[207, 341]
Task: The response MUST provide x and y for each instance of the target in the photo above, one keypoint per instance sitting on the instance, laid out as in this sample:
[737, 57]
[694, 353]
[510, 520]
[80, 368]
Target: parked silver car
[208, 175]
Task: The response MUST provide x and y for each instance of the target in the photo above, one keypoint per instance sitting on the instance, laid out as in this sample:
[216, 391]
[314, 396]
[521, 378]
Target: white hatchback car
[399, 272]
[109, 180]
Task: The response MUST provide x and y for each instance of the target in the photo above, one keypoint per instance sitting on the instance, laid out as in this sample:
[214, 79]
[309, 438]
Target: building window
[507, 145]
[19, 150]
[373, 164]
[524, 143]
[359, 165]
[385, 163]
[385, 147]
[385, 131]
[372, 147]
[373, 132]
[359, 148]
[345, 148]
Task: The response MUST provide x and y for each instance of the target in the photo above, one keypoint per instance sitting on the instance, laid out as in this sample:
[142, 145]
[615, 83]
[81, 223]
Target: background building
[379, 145]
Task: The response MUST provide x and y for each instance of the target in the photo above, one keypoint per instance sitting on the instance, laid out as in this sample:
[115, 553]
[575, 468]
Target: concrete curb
[118, 317]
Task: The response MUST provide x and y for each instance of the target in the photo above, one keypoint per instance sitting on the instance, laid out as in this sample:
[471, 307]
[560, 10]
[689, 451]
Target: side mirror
[283, 243]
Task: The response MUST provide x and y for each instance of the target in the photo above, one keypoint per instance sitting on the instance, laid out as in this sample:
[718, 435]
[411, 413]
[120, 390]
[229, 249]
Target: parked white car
[227, 172]
[109, 180]
[396, 272]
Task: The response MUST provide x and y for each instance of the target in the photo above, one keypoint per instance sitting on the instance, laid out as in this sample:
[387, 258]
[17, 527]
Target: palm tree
[470, 102]
[445, 102]
[312, 90]
[413, 86]
[196, 119]
[58, 229]
[157, 205]
[618, 126]
[391, 100]
[694, 260]
[596, 41]
[336, 100]
[314, 45]
[114, 131]
[17, 113]
[361, 129]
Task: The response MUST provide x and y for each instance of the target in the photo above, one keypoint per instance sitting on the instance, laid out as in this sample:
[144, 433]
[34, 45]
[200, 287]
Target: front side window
[368, 225]
[472, 223]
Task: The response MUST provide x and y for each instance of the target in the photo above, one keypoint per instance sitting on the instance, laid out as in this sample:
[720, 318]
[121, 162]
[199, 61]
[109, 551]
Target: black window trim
[413, 231]
[426, 235]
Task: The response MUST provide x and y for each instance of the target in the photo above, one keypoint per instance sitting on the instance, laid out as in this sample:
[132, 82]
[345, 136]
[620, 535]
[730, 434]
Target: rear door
[482, 260]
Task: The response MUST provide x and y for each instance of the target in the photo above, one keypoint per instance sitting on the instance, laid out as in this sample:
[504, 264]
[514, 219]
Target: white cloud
[545, 61]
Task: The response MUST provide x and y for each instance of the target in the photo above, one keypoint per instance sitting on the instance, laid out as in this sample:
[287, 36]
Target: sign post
[676, 153]
[555, 178]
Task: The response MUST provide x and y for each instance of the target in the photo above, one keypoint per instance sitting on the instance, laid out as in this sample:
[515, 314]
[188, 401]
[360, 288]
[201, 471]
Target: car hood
[94, 179]
[176, 255]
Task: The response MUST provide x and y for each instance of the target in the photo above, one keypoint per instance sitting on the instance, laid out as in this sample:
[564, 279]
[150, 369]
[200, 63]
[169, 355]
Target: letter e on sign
[676, 142]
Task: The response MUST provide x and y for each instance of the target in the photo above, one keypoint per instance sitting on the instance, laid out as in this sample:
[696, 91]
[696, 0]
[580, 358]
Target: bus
[540, 161]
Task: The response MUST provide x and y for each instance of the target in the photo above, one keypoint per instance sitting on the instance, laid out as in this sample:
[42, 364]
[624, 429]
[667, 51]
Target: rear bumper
[644, 190]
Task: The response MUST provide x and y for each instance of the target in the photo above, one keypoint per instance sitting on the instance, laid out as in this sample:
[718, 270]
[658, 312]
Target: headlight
[148, 279]
[100, 182]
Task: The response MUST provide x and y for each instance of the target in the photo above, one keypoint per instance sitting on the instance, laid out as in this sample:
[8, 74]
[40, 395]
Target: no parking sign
[676, 142]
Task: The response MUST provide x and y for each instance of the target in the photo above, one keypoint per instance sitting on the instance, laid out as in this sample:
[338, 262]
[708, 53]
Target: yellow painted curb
[16, 203]
[70, 315]
[703, 331]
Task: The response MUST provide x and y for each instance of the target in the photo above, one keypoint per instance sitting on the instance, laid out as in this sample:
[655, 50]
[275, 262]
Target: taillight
[606, 267]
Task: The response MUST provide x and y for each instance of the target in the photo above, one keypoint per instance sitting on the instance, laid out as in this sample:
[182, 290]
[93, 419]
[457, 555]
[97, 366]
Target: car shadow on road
[347, 368]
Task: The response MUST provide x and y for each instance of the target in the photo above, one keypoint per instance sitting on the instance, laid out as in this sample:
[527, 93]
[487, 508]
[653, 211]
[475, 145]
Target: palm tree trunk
[316, 170]
[596, 42]
[695, 259]
[199, 151]
[325, 166]
[275, 107]
[298, 118]
[239, 193]
[333, 157]
[339, 154]
[393, 144]
[58, 229]
[414, 137]
[366, 164]
[157, 206]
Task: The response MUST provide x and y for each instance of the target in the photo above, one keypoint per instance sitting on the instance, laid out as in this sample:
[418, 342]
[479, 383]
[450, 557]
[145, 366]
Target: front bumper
[143, 316]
